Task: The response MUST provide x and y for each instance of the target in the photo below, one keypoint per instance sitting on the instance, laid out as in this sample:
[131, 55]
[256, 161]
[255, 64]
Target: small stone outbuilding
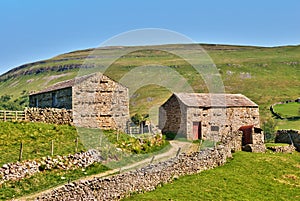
[96, 101]
[207, 116]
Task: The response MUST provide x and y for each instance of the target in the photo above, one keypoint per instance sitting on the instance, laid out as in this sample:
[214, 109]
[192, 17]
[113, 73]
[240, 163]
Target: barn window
[214, 128]
[36, 102]
[54, 99]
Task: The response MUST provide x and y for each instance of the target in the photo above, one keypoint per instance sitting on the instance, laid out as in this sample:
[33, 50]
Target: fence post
[16, 113]
[177, 154]
[21, 152]
[52, 147]
[4, 115]
[152, 160]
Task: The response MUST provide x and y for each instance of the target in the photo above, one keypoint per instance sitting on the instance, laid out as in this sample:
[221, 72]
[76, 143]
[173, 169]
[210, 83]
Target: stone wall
[285, 136]
[147, 178]
[61, 98]
[282, 149]
[49, 115]
[20, 170]
[99, 102]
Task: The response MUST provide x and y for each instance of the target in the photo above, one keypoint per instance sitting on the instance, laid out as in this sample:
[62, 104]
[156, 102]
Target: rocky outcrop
[49, 115]
[145, 179]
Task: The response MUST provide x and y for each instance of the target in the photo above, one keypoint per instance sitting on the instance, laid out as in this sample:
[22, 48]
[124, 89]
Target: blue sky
[33, 30]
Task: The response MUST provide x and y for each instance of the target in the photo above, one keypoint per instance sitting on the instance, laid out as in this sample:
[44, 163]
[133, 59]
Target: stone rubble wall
[283, 149]
[49, 115]
[285, 136]
[20, 170]
[147, 178]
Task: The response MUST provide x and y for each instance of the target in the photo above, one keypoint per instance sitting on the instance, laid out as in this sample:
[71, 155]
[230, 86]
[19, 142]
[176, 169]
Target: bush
[270, 128]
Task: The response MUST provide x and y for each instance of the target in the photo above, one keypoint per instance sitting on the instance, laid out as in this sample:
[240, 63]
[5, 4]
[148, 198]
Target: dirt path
[175, 145]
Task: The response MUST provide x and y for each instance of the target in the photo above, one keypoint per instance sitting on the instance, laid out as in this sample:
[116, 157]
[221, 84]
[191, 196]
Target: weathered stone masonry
[49, 115]
[95, 101]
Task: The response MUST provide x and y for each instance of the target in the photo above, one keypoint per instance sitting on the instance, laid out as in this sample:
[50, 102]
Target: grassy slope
[272, 74]
[248, 176]
[36, 138]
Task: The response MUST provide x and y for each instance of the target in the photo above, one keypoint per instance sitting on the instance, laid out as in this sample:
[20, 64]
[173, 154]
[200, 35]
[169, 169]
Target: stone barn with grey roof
[95, 100]
[206, 115]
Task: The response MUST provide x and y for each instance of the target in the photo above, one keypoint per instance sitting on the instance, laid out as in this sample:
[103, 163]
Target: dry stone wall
[282, 149]
[20, 170]
[147, 178]
[289, 136]
[49, 115]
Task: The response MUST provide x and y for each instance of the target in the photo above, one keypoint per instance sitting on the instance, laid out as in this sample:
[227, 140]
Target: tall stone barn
[95, 100]
[207, 116]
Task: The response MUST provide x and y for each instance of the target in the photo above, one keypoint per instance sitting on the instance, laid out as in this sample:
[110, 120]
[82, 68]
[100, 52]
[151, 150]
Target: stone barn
[207, 116]
[96, 101]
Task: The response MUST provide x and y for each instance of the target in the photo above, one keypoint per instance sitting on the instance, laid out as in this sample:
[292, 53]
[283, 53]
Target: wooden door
[197, 130]
[247, 134]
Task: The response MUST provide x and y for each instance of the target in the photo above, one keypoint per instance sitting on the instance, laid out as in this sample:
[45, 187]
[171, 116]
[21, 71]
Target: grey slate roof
[63, 84]
[214, 100]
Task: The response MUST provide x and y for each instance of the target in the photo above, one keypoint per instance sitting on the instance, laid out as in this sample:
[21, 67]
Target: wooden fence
[6, 115]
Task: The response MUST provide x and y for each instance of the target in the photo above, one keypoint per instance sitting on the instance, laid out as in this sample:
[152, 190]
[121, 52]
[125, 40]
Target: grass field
[288, 110]
[249, 176]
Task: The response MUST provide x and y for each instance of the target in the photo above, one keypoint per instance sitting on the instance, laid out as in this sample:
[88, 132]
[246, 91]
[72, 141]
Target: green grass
[36, 139]
[249, 176]
[46, 180]
[289, 124]
[288, 110]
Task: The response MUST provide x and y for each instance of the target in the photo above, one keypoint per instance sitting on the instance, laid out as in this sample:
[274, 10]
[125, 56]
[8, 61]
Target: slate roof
[214, 100]
[64, 84]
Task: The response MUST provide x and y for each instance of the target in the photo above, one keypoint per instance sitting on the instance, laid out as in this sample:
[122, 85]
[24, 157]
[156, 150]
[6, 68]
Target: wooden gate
[6, 115]
[197, 130]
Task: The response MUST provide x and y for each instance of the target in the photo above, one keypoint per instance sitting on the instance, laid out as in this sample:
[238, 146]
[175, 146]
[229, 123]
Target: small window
[54, 99]
[214, 128]
[36, 102]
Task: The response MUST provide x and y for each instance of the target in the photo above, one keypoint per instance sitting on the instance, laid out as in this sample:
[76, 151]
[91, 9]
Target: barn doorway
[247, 134]
[197, 131]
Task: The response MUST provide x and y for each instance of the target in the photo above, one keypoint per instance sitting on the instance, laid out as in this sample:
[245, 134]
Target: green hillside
[265, 75]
